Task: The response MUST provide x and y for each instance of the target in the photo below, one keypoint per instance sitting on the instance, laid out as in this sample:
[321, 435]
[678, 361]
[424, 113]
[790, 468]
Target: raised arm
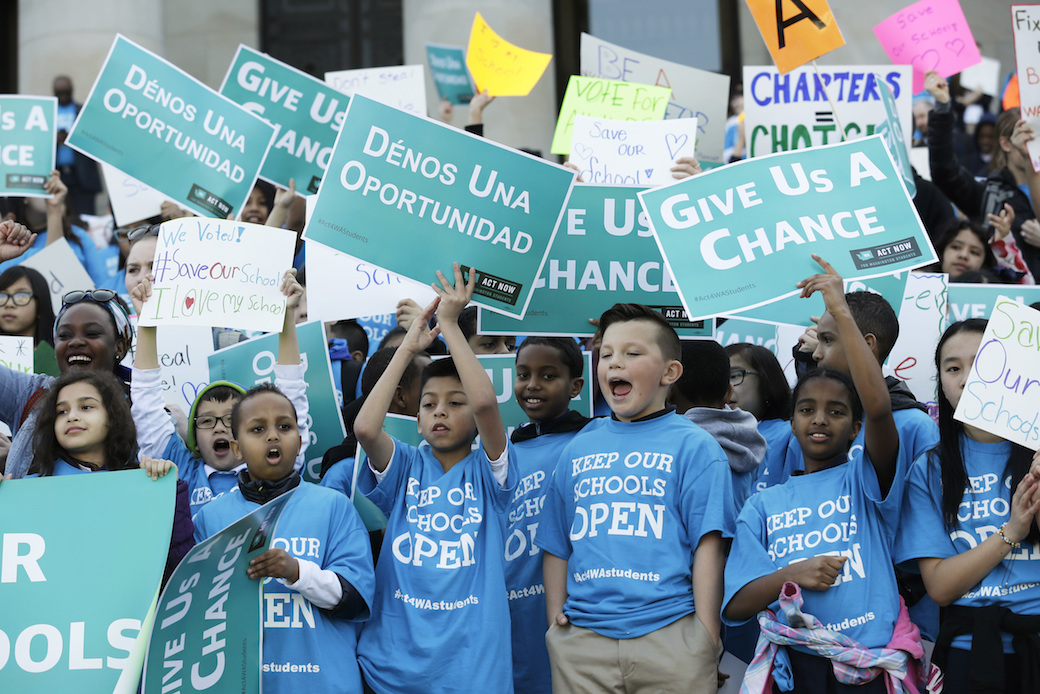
[15, 239]
[146, 356]
[288, 342]
[880, 437]
[55, 207]
[480, 393]
[283, 201]
[368, 426]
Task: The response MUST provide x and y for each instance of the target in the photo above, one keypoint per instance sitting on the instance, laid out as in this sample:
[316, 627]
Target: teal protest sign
[27, 144]
[252, 362]
[603, 254]
[742, 236]
[306, 114]
[406, 430]
[81, 558]
[412, 196]
[977, 300]
[892, 132]
[448, 67]
[158, 124]
[207, 632]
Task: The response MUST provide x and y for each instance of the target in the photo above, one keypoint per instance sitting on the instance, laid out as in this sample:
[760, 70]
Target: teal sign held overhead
[158, 124]
[412, 196]
[27, 143]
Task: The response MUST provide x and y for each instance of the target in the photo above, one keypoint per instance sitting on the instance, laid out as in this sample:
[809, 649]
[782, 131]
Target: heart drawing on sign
[649, 173]
[675, 143]
[926, 61]
[582, 151]
[188, 301]
[955, 46]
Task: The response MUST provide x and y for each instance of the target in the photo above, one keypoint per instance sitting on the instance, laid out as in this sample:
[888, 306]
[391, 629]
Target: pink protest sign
[929, 35]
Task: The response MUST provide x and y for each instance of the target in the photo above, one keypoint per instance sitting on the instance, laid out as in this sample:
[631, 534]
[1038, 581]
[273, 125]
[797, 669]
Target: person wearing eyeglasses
[26, 310]
[136, 244]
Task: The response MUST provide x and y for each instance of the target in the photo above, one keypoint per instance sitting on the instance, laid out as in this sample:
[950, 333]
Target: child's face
[81, 422]
[14, 319]
[822, 420]
[955, 360]
[255, 210]
[963, 254]
[446, 419]
[747, 395]
[543, 385]
[268, 439]
[215, 443]
[139, 261]
[492, 344]
[830, 352]
[633, 374]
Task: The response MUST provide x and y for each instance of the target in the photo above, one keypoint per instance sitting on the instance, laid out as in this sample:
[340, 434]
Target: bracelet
[1013, 545]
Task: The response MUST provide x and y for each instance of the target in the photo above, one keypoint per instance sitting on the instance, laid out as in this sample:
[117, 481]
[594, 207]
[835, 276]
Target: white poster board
[400, 86]
[62, 270]
[639, 153]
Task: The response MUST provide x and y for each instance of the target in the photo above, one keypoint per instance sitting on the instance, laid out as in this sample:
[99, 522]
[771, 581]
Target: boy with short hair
[320, 553]
[635, 500]
[549, 373]
[441, 619]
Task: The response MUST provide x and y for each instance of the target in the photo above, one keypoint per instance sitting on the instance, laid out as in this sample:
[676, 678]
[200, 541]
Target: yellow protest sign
[796, 31]
[499, 66]
[603, 98]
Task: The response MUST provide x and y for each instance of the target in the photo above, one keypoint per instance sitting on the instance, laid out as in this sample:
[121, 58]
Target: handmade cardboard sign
[1025, 26]
[742, 235]
[130, 199]
[984, 77]
[1000, 395]
[796, 31]
[16, 353]
[794, 111]
[27, 144]
[500, 67]
[630, 153]
[696, 93]
[599, 98]
[207, 634]
[61, 268]
[306, 114]
[400, 86]
[143, 110]
[929, 35]
[54, 638]
[219, 273]
[604, 254]
[412, 196]
[448, 68]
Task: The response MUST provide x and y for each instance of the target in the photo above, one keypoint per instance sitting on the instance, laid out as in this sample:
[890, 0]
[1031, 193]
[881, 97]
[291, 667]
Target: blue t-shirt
[306, 649]
[778, 435]
[441, 619]
[535, 461]
[836, 511]
[627, 506]
[1014, 582]
[201, 488]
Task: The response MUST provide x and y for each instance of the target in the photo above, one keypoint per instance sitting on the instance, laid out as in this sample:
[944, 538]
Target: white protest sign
[1002, 394]
[983, 76]
[793, 111]
[922, 320]
[919, 160]
[16, 353]
[1025, 27]
[219, 273]
[183, 353]
[695, 93]
[62, 270]
[400, 86]
[340, 286]
[131, 200]
[630, 152]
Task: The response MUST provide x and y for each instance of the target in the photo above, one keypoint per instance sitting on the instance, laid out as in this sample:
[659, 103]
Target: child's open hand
[275, 563]
[291, 289]
[57, 189]
[157, 468]
[817, 573]
[141, 293]
[1002, 222]
[828, 283]
[420, 335]
[454, 298]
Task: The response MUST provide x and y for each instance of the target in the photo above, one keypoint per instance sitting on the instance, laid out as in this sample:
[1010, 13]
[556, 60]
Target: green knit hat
[193, 445]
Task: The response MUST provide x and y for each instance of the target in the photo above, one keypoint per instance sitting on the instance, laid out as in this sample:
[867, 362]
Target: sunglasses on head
[99, 296]
[143, 230]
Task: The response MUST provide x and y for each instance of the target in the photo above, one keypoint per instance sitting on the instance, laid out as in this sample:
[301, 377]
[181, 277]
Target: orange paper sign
[796, 31]
[499, 66]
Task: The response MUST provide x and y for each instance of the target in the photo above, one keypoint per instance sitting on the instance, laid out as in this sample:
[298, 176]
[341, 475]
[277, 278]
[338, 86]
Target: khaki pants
[676, 659]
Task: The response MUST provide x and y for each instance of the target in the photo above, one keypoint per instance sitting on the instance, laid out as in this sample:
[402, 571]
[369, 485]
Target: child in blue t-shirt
[206, 461]
[828, 530]
[320, 555]
[441, 619]
[969, 526]
[632, 528]
[549, 373]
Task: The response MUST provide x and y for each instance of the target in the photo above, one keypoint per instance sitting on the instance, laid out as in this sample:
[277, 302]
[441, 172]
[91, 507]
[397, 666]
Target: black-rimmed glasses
[736, 376]
[18, 298]
[210, 422]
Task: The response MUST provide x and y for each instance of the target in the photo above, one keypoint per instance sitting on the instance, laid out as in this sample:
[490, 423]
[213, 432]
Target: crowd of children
[822, 534]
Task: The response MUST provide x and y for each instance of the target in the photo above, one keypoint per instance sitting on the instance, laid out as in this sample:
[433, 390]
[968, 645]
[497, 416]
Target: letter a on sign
[796, 31]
